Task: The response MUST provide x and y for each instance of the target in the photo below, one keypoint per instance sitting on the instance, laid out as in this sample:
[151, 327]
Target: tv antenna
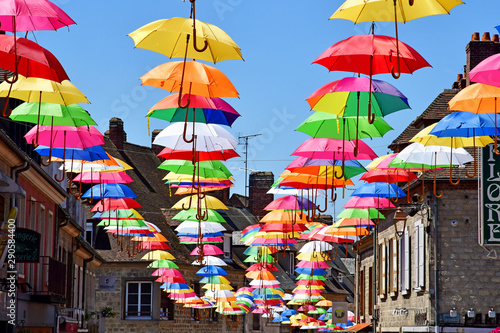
[246, 137]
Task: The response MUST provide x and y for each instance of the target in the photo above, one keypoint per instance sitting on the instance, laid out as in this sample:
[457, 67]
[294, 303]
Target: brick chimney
[116, 133]
[259, 184]
[156, 149]
[478, 50]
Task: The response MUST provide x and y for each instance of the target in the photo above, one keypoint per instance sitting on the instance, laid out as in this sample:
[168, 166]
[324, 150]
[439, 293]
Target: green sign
[489, 226]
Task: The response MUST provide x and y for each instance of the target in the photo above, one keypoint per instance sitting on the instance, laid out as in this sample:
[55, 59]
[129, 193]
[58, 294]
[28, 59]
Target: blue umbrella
[310, 271]
[112, 191]
[381, 190]
[465, 124]
[281, 318]
[196, 235]
[211, 271]
[289, 312]
[94, 153]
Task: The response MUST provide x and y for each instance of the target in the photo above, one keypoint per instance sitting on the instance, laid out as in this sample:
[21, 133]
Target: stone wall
[182, 321]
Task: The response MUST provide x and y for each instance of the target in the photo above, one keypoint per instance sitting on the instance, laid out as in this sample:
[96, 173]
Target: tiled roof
[432, 114]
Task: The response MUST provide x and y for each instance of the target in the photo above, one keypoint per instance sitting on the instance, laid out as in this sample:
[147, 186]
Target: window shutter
[383, 269]
[421, 256]
[406, 285]
[394, 265]
[415, 256]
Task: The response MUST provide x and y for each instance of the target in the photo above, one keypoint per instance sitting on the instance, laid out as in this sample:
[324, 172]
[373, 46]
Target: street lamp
[399, 216]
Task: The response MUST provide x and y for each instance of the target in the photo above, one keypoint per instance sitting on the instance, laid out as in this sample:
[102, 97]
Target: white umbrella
[434, 155]
[219, 293]
[209, 137]
[316, 246]
[193, 226]
[298, 192]
[263, 282]
[210, 261]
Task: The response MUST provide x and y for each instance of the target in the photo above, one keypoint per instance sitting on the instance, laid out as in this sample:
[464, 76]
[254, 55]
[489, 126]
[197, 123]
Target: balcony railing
[53, 280]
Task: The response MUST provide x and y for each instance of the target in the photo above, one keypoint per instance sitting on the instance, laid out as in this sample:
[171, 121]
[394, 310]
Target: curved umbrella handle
[475, 165]
[434, 192]
[179, 98]
[318, 207]
[342, 173]
[451, 169]
[64, 164]
[48, 160]
[6, 113]
[371, 116]
[422, 197]
[398, 74]
[334, 195]
[190, 204]
[193, 12]
[408, 198]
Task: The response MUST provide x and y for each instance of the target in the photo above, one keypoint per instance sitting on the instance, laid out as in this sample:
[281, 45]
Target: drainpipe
[15, 171]
[374, 277]
[436, 298]
[84, 284]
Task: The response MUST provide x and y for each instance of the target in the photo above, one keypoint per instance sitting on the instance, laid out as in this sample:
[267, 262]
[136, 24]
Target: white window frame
[394, 273]
[89, 227]
[383, 269]
[226, 246]
[419, 256]
[292, 263]
[404, 243]
[139, 299]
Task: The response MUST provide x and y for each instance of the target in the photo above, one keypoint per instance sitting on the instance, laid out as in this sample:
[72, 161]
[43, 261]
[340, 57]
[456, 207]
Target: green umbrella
[399, 163]
[52, 114]
[327, 125]
[162, 264]
[267, 258]
[206, 169]
[122, 223]
[310, 277]
[361, 213]
[190, 214]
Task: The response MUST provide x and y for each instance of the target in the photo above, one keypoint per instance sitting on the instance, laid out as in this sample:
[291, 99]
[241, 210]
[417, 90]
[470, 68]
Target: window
[362, 292]
[419, 256]
[370, 291]
[404, 243]
[227, 246]
[383, 269]
[255, 322]
[292, 263]
[393, 267]
[89, 233]
[167, 307]
[138, 300]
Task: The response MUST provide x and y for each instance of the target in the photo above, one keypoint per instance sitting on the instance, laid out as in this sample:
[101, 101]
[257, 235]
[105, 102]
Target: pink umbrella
[324, 148]
[208, 249]
[203, 240]
[22, 15]
[65, 136]
[112, 204]
[103, 177]
[167, 272]
[290, 202]
[312, 264]
[369, 202]
[487, 71]
[307, 307]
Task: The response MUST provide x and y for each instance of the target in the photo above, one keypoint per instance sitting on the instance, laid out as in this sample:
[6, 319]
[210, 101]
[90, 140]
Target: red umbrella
[333, 149]
[175, 154]
[262, 266]
[153, 246]
[389, 176]
[370, 55]
[171, 279]
[312, 264]
[113, 204]
[310, 283]
[283, 227]
[32, 59]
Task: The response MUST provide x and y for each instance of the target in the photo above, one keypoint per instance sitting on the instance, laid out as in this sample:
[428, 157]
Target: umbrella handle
[408, 199]
[6, 113]
[451, 180]
[179, 98]
[190, 203]
[48, 159]
[64, 165]
[475, 166]
[342, 173]
[451, 162]
[410, 2]
[333, 197]
[193, 12]
[434, 191]
[421, 198]
[371, 116]
[398, 74]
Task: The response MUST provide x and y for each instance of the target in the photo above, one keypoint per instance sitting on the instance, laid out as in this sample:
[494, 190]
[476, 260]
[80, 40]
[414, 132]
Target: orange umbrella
[279, 216]
[197, 79]
[260, 275]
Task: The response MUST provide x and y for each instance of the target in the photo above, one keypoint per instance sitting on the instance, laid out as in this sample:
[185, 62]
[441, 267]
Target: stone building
[430, 272]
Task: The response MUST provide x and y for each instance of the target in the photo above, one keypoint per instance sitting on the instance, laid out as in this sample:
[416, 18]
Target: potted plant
[108, 312]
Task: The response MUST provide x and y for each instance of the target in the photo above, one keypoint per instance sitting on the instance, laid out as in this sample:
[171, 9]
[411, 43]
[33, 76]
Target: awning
[358, 327]
[7, 185]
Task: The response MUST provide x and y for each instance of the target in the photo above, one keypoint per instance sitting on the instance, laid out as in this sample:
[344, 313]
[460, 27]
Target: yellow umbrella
[427, 139]
[32, 89]
[347, 231]
[215, 286]
[82, 166]
[324, 302]
[313, 256]
[158, 255]
[169, 36]
[396, 10]
[156, 238]
[208, 202]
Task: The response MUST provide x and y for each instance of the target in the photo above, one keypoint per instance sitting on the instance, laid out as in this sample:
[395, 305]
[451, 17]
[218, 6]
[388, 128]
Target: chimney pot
[116, 132]
[475, 36]
[459, 77]
[486, 36]
[495, 38]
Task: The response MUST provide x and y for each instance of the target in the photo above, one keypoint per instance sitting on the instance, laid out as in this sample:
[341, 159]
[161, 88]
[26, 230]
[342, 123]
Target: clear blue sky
[279, 40]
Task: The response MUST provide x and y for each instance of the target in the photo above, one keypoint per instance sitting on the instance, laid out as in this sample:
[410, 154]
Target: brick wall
[259, 184]
[478, 50]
